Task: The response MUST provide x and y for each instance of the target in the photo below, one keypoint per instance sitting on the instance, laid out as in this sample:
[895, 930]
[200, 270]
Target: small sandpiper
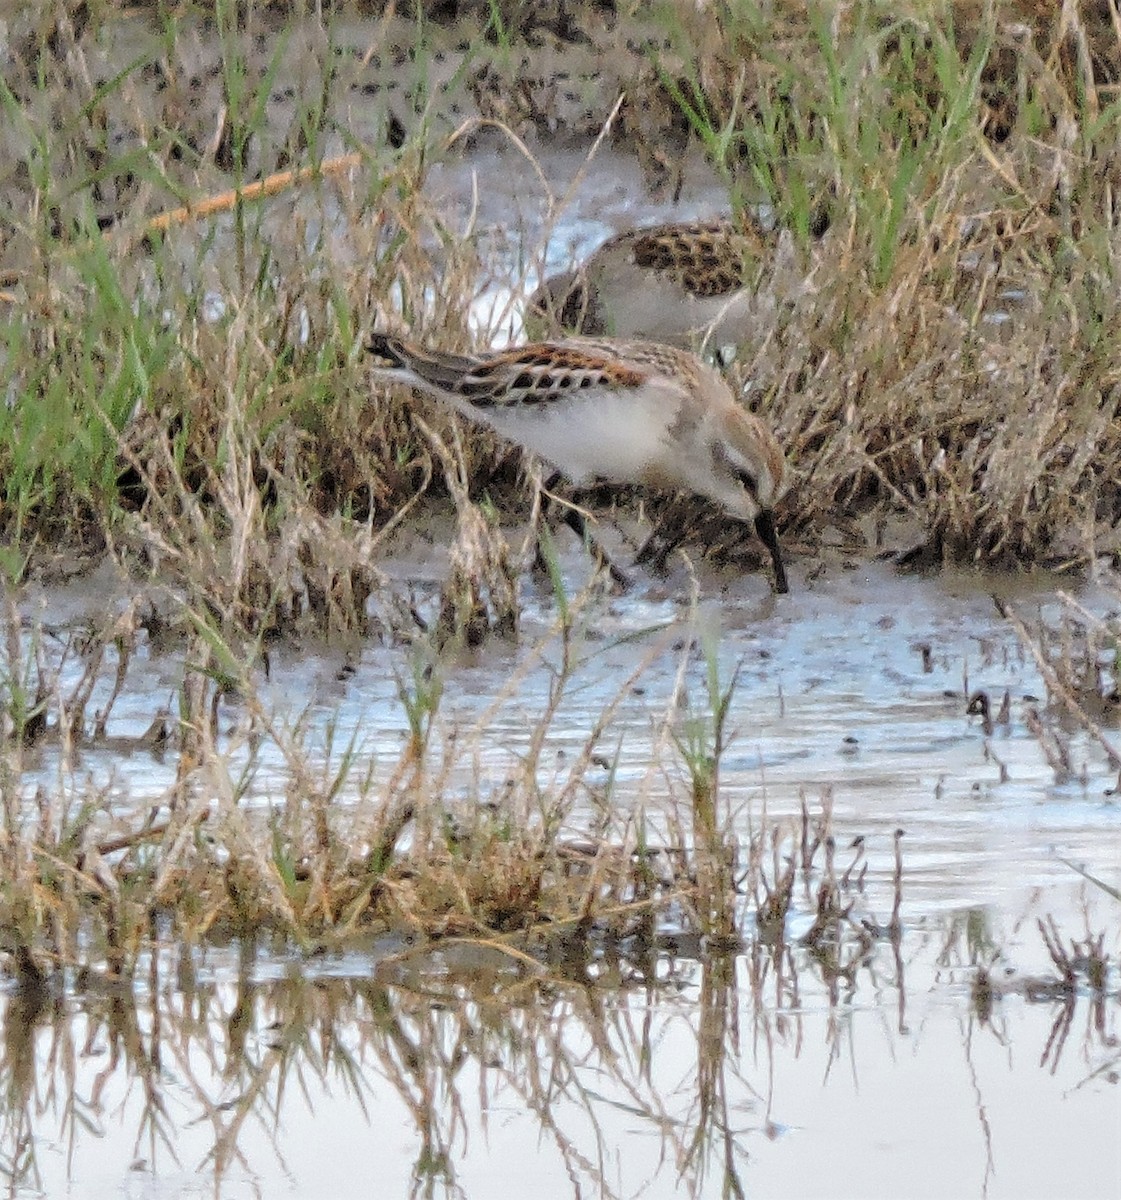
[679, 283]
[625, 412]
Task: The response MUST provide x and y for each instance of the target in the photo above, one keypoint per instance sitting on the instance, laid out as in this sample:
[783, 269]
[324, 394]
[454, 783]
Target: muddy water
[459, 1074]
[472, 1083]
[384, 1071]
[856, 683]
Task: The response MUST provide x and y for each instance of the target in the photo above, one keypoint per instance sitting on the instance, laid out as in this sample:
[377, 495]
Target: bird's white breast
[612, 435]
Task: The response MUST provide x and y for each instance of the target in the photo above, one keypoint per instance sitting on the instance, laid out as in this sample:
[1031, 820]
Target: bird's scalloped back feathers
[643, 357]
[543, 372]
[707, 258]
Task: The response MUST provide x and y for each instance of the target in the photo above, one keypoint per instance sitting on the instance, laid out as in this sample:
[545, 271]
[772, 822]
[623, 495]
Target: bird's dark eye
[750, 484]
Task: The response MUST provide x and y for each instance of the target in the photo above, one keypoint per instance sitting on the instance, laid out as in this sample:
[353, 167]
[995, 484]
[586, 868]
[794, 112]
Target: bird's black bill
[765, 528]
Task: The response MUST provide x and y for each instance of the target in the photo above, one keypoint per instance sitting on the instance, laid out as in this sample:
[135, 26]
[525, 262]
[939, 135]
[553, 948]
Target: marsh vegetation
[519, 808]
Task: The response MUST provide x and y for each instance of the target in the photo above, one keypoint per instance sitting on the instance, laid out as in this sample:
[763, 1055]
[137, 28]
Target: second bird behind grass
[681, 283]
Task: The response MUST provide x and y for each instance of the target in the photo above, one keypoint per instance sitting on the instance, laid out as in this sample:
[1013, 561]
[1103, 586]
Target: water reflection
[586, 1069]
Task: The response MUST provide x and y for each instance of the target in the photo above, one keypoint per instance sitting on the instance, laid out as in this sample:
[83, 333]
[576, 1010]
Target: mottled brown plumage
[678, 283]
[626, 412]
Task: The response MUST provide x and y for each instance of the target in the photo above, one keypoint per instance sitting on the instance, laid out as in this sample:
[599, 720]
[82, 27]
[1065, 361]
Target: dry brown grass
[951, 358]
[1001, 441]
[346, 850]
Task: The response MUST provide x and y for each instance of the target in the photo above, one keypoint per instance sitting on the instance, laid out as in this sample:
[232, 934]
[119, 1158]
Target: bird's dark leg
[765, 528]
[664, 539]
[657, 548]
[574, 519]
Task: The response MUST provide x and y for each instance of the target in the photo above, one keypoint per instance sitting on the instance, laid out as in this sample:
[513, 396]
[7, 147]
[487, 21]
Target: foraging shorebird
[624, 412]
[677, 283]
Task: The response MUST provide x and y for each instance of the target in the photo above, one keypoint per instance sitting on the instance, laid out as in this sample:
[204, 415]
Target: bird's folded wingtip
[384, 348]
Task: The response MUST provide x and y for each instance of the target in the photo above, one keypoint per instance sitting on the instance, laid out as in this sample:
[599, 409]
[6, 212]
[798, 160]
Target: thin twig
[269, 186]
[1054, 685]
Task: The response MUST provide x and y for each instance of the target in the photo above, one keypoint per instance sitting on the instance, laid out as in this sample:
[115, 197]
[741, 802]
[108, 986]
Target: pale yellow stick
[270, 186]
[224, 201]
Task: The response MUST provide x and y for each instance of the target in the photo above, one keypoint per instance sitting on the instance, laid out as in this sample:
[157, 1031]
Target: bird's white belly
[612, 437]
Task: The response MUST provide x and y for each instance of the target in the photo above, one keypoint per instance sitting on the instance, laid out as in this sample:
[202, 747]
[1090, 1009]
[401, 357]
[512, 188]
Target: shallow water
[296, 1075]
[856, 682]
[469, 1079]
